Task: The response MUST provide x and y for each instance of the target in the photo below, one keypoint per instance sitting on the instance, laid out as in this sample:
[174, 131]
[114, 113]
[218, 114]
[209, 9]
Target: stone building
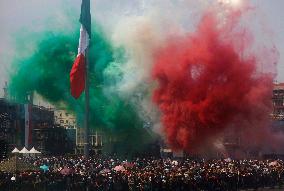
[95, 141]
[65, 119]
[278, 102]
[52, 140]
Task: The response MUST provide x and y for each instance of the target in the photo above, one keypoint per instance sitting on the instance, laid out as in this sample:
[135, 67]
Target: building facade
[11, 126]
[75, 134]
[65, 119]
[52, 141]
[18, 120]
[95, 141]
[278, 102]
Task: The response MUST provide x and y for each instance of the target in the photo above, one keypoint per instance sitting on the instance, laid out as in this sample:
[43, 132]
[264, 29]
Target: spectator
[100, 173]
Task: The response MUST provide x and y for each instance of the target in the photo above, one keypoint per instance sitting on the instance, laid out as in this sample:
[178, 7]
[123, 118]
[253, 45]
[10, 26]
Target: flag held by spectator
[78, 71]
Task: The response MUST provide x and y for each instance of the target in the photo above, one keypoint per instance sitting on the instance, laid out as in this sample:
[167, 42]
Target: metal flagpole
[86, 15]
[87, 105]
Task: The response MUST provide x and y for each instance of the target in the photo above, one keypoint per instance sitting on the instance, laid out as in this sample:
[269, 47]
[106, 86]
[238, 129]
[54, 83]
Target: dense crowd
[78, 173]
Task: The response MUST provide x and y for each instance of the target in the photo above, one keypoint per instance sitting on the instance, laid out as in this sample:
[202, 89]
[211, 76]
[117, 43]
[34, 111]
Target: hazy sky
[35, 15]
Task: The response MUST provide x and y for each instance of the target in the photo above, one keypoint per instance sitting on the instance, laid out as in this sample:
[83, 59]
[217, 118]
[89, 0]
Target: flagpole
[87, 105]
[79, 75]
[87, 96]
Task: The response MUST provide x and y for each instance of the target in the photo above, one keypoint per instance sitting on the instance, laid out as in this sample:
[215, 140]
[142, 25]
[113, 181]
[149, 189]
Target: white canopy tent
[34, 151]
[15, 150]
[24, 151]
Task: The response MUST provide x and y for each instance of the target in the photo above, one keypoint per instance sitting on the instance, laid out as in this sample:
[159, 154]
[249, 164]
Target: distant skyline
[18, 15]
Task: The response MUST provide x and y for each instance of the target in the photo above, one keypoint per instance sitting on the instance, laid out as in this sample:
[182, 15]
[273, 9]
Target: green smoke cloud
[42, 65]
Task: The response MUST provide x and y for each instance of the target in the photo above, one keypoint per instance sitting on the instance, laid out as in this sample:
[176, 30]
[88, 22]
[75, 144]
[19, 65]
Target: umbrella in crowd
[66, 171]
[128, 165]
[119, 168]
[44, 168]
[273, 163]
[175, 163]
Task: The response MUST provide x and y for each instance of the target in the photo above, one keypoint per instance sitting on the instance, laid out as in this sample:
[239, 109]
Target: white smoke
[140, 35]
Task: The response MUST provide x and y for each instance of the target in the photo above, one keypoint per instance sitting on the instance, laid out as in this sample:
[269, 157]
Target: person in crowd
[145, 174]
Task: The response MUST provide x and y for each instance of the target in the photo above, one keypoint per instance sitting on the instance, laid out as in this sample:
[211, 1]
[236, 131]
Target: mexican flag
[78, 71]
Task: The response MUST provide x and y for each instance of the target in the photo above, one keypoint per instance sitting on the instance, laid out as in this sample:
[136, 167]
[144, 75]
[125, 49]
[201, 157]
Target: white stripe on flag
[83, 41]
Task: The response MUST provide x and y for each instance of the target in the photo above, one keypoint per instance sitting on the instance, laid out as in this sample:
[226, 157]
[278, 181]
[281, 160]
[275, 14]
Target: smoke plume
[209, 81]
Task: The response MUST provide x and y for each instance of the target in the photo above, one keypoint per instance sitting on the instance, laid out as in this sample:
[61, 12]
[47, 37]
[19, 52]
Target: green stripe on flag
[85, 17]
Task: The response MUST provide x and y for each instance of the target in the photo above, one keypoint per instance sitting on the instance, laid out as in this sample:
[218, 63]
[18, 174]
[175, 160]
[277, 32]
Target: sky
[17, 16]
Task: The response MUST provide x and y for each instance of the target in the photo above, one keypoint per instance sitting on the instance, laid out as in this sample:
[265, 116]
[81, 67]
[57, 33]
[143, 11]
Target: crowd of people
[106, 173]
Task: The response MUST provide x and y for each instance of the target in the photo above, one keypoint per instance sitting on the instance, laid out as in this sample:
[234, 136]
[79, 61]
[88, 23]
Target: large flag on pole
[78, 71]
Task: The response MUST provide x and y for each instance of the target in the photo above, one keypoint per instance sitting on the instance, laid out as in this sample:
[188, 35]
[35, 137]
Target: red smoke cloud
[209, 81]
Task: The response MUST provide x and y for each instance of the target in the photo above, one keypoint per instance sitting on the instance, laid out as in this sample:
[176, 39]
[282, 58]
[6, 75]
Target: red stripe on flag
[77, 76]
